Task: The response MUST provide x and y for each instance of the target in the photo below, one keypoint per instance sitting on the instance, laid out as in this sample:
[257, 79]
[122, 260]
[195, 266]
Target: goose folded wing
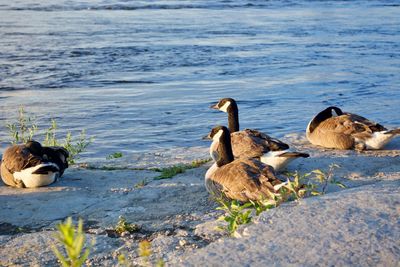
[243, 181]
[17, 158]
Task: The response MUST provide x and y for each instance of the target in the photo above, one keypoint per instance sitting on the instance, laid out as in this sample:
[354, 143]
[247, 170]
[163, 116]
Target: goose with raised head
[250, 143]
[333, 128]
[31, 165]
[241, 179]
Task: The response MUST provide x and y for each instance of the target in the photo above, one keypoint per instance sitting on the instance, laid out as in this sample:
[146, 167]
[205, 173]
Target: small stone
[180, 232]
[182, 242]
[123, 234]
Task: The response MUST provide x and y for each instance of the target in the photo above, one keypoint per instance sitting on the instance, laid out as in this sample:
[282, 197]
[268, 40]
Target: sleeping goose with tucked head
[333, 128]
[250, 143]
[241, 179]
[31, 165]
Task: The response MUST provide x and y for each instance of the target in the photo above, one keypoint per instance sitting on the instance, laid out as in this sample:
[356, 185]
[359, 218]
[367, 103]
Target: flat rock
[355, 227]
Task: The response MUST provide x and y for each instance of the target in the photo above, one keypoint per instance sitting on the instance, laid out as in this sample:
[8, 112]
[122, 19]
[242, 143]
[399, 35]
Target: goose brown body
[240, 179]
[38, 165]
[17, 158]
[243, 180]
[333, 128]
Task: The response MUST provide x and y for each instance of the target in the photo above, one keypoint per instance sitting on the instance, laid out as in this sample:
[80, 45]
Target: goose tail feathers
[394, 131]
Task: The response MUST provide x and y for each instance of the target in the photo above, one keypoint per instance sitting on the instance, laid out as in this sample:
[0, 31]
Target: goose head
[221, 148]
[228, 105]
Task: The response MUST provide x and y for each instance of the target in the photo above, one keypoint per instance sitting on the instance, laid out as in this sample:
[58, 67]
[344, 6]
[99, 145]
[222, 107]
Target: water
[140, 75]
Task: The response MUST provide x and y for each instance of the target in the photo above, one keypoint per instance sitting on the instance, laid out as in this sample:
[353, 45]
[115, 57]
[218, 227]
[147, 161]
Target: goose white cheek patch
[225, 107]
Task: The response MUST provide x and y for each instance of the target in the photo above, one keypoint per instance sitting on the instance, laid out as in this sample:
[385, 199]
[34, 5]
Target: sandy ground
[358, 225]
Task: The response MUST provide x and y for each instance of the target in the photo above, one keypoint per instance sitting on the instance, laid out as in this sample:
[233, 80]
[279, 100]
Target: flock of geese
[245, 161]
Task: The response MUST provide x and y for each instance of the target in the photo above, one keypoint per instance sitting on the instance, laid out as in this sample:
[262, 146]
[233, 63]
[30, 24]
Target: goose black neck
[322, 116]
[225, 149]
[233, 117]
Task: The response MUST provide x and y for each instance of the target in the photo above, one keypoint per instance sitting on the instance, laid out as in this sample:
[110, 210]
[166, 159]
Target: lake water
[140, 75]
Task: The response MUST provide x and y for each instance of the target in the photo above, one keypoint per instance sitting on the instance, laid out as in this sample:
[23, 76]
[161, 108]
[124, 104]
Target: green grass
[170, 172]
[115, 155]
[124, 226]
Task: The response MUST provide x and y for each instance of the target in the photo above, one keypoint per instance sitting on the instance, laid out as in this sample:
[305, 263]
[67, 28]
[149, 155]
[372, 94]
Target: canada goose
[250, 143]
[333, 128]
[58, 155]
[241, 179]
[27, 165]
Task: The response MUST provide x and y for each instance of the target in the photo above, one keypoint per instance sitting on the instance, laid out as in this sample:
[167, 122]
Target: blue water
[140, 75]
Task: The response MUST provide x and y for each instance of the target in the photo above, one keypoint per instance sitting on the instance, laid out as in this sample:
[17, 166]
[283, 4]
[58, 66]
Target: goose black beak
[206, 137]
[215, 106]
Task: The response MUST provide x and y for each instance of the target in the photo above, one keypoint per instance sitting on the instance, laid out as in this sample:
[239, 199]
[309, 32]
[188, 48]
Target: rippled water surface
[140, 75]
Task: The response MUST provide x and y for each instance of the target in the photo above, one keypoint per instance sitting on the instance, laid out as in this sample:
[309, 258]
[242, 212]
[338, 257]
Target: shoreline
[179, 218]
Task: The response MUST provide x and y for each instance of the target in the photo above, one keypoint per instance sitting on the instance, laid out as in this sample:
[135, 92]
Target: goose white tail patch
[36, 180]
[274, 160]
[378, 140]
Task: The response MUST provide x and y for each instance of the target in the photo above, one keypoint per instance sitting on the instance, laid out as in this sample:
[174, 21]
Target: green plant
[325, 177]
[77, 147]
[23, 129]
[73, 241]
[235, 214]
[144, 251]
[123, 261]
[313, 183]
[115, 155]
[296, 186]
[50, 135]
[264, 204]
[170, 172]
[141, 184]
[124, 226]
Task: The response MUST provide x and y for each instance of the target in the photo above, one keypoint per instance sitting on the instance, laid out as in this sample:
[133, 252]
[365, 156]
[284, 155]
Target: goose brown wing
[342, 125]
[245, 180]
[371, 125]
[252, 143]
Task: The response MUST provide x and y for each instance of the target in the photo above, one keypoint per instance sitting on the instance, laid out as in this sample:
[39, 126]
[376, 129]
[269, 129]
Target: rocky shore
[358, 225]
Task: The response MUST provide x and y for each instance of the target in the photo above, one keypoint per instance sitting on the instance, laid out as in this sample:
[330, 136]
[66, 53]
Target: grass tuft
[170, 172]
[115, 155]
[74, 241]
[124, 226]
